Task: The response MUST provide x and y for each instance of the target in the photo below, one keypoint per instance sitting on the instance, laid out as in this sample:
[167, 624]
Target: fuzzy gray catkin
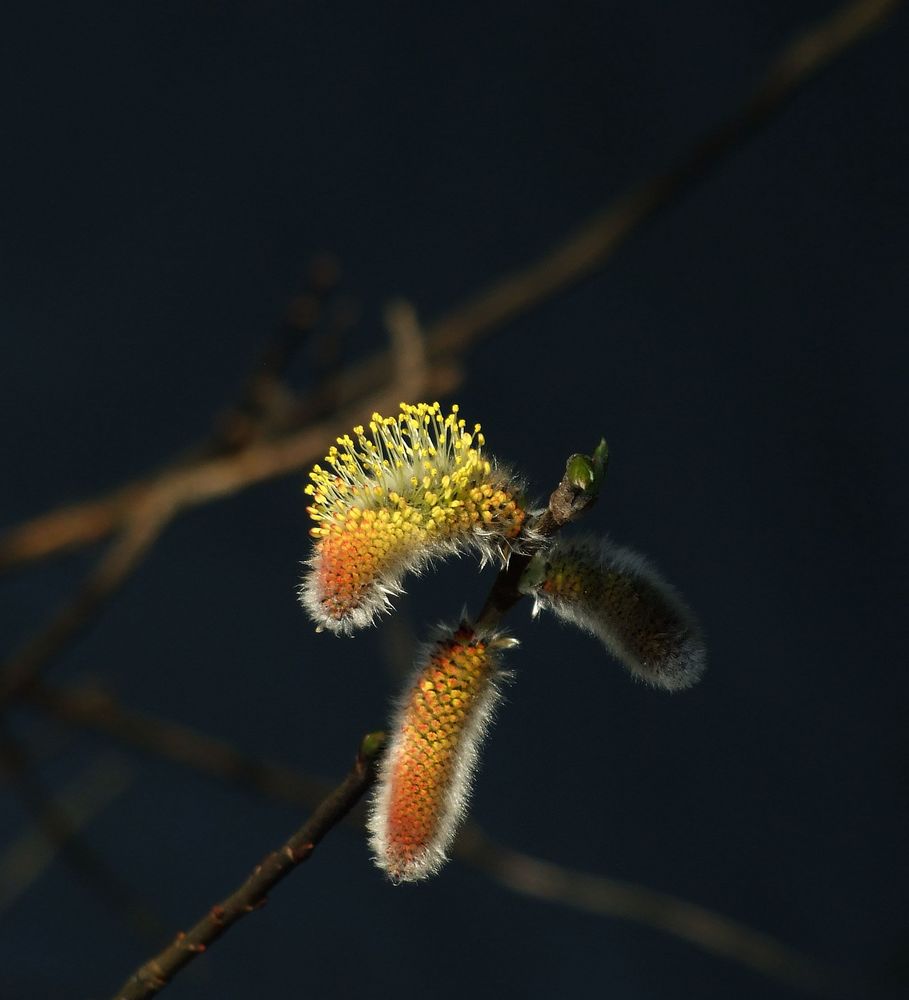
[618, 596]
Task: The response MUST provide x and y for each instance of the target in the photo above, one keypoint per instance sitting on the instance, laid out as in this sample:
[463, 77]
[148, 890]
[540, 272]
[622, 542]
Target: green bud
[372, 745]
[585, 472]
[581, 472]
[600, 458]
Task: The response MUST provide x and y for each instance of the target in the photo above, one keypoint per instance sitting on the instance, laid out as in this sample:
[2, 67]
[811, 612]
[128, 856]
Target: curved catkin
[424, 781]
[413, 487]
[614, 593]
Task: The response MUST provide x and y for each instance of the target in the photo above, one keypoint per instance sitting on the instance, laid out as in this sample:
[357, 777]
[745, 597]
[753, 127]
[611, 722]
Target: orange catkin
[439, 724]
[404, 491]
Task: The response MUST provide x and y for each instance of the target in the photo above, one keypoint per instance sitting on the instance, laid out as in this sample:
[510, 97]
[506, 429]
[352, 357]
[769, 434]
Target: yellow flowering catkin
[617, 595]
[424, 781]
[401, 492]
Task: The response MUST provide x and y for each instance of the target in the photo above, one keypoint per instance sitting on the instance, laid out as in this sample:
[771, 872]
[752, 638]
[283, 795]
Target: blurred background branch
[58, 821]
[372, 385]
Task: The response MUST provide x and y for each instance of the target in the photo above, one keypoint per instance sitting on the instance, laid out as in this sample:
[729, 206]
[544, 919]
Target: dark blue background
[168, 169]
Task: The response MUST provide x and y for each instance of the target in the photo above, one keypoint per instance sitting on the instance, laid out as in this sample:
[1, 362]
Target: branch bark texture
[155, 974]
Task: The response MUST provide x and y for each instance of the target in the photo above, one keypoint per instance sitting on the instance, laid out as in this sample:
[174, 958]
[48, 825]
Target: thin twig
[608, 897]
[408, 344]
[569, 500]
[266, 404]
[585, 250]
[516, 871]
[98, 712]
[59, 823]
[186, 487]
[797, 63]
[204, 482]
[146, 523]
[155, 974]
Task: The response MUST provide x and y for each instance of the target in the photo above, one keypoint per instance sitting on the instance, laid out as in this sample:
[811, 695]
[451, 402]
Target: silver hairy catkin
[615, 594]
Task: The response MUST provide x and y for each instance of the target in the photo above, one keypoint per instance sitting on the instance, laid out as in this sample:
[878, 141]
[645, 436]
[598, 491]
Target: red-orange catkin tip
[439, 723]
[618, 596]
[405, 490]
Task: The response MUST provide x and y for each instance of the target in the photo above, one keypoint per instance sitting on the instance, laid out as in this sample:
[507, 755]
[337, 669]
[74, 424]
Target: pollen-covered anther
[424, 781]
[618, 596]
[398, 494]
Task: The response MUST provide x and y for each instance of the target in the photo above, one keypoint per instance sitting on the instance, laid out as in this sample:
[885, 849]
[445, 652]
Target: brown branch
[408, 345]
[146, 523]
[198, 484]
[59, 823]
[568, 501]
[585, 250]
[595, 241]
[98, 712]
[155, 974]
[518, 872]
[607, 897]
[266, 404]
[191, 485]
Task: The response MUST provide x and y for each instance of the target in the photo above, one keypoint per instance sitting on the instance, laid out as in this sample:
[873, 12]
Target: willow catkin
[618, 596]
[438, 726]
[416, 486]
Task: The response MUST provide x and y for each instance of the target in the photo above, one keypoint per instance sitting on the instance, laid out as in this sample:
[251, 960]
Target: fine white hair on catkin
[615, 594]
[436, 732]
[401, 493]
